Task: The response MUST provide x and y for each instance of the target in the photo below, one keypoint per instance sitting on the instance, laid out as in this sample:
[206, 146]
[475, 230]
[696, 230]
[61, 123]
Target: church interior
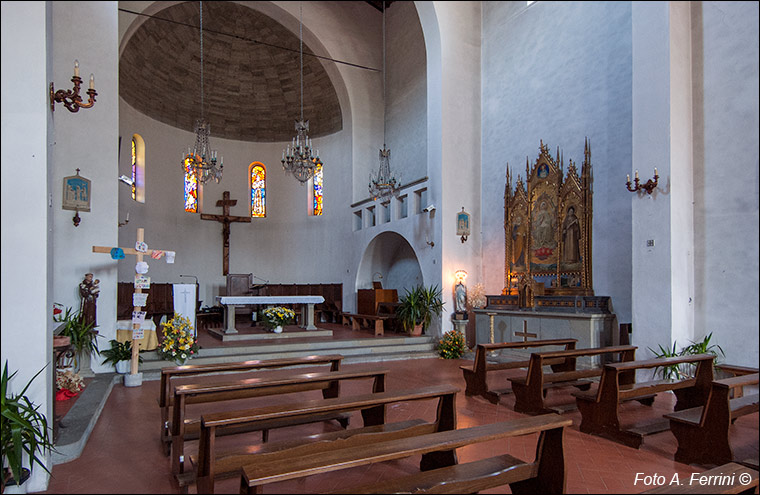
[562, 178]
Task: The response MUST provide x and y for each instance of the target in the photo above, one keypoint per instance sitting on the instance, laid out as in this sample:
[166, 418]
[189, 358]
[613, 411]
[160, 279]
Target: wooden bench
[359, 322]
[530, 390]
[475, 376]
[735, 370]
[183, 428]
[213, 464]
[440, 469]
[728, 478]
[599, 409]
[165, 399]
[702, 432]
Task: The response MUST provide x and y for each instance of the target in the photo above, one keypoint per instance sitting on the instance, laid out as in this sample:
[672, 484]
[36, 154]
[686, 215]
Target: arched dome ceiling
[252, 91]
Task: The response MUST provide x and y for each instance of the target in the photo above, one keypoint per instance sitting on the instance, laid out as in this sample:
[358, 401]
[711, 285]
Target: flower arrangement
[277, 316]
[68, 384]
[179, 344]
[478, 296]
[452, 345]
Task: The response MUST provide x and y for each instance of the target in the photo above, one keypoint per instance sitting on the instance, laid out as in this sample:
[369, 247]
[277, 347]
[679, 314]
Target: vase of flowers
[275, 317]
[179, 344]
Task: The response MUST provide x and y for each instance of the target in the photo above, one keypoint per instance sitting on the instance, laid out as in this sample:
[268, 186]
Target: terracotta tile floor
[123, 454]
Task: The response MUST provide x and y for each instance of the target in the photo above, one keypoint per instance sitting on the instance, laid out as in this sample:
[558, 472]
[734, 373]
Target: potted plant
[418, 306]
[275, 317]
[119, 355]
[687, 369]
[24, 432]
[84, 337]
[179, 344]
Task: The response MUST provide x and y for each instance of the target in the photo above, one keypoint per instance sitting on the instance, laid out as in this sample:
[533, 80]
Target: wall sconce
[126, 221]
[460, 276]
[70, 98]
[648, 187]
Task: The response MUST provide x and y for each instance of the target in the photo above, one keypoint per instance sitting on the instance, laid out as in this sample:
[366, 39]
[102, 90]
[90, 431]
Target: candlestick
[76, 68]
[92, 81]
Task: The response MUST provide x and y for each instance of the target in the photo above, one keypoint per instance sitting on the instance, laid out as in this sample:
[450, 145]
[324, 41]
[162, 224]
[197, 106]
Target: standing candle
[76, 68]
[655, 171]
[637, 175]
[92, 81]
[628, 178]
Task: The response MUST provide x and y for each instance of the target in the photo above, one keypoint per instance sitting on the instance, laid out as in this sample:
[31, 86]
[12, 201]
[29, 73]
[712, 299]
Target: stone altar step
[355, 351]
[218, 333]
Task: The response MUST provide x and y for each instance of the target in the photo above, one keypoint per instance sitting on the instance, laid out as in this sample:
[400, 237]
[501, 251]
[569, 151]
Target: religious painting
[463, 223]
[258, 190]
[191, 185]
[76, 193]
[547, 226]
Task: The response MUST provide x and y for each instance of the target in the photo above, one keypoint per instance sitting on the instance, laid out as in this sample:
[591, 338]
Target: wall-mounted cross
[225, 219]
[524, 334]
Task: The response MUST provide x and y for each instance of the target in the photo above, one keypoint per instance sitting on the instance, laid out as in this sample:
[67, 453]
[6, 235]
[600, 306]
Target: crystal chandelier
[300, 158]
[201, 159]
[383, 184]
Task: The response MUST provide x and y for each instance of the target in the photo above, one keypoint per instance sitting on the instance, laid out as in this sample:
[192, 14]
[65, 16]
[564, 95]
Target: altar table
[307, 307]
[147, 343]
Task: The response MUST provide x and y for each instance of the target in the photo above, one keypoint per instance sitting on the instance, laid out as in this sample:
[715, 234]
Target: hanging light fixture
[300, 158]
[201, 159]
[383, 184]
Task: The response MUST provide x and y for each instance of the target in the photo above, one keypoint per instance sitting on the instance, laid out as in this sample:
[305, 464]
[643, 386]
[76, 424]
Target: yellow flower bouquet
[179, 344]
[277, 316]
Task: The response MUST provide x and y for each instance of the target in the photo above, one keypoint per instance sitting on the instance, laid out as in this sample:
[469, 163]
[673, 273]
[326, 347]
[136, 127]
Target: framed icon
[77, 192]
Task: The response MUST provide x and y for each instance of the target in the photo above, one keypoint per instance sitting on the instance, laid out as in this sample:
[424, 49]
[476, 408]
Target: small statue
[89, 290]
[461, 298]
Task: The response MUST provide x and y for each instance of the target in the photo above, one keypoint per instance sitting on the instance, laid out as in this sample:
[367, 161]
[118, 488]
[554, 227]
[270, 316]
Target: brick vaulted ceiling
[252, 91]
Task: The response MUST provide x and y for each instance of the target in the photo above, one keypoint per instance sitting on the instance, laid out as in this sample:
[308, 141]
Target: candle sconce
[648, 186]
[70, 97]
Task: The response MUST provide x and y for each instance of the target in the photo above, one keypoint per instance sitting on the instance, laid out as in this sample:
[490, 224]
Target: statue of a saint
[89, 290]
[461, 298]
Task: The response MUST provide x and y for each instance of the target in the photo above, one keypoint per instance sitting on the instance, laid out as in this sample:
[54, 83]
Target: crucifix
[225, 219]
[135, 326]
[524, 334]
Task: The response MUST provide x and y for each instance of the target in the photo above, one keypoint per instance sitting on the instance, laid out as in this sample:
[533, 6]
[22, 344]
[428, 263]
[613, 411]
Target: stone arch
[390, 255]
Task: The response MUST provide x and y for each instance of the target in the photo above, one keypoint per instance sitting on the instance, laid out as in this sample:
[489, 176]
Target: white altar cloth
[307, 308]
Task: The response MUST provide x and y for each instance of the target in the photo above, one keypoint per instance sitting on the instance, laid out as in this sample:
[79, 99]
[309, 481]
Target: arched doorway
[391, 260]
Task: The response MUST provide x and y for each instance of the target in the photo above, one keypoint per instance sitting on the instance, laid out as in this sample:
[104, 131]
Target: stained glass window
[258, 190]
[191, 187]
[318, 190]
[134, 169]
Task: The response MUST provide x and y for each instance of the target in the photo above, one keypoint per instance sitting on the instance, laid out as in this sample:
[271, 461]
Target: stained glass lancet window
[191, 188]
[318, 176]
[138, 168]
[258, 175]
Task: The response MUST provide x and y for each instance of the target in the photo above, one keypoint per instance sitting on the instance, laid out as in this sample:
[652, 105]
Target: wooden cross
[139, 255]
[524, 334]
[226, 219]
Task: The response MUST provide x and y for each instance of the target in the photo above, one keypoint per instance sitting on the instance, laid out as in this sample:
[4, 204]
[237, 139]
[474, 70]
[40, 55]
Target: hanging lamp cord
[384, 75]
[202, 113]
[300, 35]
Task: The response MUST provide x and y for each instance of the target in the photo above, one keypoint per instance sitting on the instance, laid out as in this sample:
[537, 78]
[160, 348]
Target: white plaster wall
[26, 334]
[88, 140]
[533, 91]
[726, 177]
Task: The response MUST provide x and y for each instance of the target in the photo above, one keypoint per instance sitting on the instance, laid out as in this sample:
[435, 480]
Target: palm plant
[24, 431]
[418, 306]
[686, 369]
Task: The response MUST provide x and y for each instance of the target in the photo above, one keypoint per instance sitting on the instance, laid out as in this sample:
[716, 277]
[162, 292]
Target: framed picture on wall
[77, 192]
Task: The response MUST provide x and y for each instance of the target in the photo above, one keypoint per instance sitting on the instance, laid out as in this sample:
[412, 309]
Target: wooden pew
[358, 322]
[329, 382]
[475, 375]
[439, 465]
[728, 478]
[736, 370]
[599, 409]
[165, 399]
[213, 464]
[530, 390]
[702, 431]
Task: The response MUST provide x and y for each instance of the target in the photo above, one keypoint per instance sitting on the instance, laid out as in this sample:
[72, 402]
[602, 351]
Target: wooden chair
[165, 399]
[531, 389]
[441, 472]
[183, 428]
[475, 376]
[599, 409]
[728, 478]
[702, 431]
[213, 464]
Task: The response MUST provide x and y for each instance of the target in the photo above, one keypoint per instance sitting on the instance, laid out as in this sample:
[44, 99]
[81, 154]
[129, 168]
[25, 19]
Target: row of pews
[376, 440]
[193, 407]
[704, 410]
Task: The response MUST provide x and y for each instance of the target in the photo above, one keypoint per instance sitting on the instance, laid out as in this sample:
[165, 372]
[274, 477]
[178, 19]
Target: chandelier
[201, 159]
[383, 184]
[300, 158]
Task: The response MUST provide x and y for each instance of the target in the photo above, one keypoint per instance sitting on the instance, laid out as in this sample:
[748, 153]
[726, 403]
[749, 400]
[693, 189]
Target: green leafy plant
[119, 351]
[452, 345]
[24, 430]
[686, 369]
[418, 306]
[84, 337]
